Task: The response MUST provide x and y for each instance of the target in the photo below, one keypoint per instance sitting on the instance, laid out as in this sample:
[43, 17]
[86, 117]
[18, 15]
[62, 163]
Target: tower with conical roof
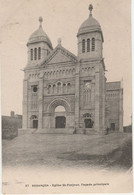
[39, 46]
[90, 38]
[91, 75]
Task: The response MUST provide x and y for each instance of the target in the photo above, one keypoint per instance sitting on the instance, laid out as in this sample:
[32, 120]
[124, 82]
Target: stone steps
[86, 131]
[26, 131]
[55, 131]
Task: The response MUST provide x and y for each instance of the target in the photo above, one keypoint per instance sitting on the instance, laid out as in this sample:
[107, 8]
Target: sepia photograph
[66, 88]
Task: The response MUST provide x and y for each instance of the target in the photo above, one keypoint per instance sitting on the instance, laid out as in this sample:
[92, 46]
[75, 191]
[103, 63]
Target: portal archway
[60, 117]
[88, 123]
[59, 114]
[58, 102]
[34, 121]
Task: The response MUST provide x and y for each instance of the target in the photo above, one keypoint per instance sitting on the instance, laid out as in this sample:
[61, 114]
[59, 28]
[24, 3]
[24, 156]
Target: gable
[60, 55]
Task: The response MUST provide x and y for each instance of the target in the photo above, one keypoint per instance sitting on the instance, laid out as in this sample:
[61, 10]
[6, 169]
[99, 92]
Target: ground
[53, 150]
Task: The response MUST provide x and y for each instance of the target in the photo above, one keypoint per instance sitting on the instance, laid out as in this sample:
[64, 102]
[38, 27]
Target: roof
[113, 85]
[55, 51]
[39, 36]
[90, 25]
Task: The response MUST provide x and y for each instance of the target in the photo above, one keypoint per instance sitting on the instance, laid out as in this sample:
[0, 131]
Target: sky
[62, 19]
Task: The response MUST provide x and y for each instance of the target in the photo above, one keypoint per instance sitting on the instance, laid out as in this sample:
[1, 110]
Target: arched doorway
[34, 121]
[88, 123]
[60, 117]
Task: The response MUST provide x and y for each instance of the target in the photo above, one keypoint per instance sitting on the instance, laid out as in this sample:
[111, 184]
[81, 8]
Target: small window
[49, 89]
[35, 89]
[39, 53]
[88, 45]
[35, 53]
[58, 84]
[93, 44]
[83, 46]
[31, 54]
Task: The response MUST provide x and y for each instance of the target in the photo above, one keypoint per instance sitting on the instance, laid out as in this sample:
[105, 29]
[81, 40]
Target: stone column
[97, 98]
[40, 100]
[77, 96]
[92, 94]
[121, 110]
[103, 91]
[25, 104]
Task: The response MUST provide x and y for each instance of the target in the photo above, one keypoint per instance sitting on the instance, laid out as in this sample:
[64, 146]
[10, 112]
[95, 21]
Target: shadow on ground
[120, 157]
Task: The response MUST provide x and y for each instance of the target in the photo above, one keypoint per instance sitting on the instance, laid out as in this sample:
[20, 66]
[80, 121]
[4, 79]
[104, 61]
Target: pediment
[60, 55]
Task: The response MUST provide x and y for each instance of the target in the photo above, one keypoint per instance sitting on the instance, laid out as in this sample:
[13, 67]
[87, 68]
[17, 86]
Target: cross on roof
[59, 41]
[40, 20]
[90, 9]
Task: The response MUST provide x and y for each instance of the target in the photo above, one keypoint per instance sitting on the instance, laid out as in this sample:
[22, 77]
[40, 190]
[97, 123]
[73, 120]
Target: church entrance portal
[60, 117]
[60, 122]
[35, 124]
[88, 123]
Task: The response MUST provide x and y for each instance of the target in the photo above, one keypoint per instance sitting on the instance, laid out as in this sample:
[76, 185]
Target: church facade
[67, 93]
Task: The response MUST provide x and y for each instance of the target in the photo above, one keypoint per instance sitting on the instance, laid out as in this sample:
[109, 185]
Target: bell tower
[90, 38]
[91, 75]
[39, 46]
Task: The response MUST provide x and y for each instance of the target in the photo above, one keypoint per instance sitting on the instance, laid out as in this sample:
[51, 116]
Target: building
[67, 93]
[10, 125]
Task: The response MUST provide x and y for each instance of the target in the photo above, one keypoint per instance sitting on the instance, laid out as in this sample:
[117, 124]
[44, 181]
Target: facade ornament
[90, 9]
[40, 20]
[59, 41]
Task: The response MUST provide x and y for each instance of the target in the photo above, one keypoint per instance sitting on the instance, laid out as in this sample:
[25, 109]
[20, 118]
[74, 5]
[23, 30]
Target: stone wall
[114, 106]
[10, 126]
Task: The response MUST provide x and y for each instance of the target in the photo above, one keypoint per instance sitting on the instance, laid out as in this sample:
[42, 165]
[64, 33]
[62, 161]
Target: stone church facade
[67, 93]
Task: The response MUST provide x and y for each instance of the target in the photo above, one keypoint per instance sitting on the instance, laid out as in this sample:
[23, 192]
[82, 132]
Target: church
[65, 93]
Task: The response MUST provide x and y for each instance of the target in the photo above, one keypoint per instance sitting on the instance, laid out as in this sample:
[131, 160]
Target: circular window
[88, 85]
[35, 89]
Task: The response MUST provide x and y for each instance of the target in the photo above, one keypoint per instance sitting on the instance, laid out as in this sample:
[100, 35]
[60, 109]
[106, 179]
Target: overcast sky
[62, 18]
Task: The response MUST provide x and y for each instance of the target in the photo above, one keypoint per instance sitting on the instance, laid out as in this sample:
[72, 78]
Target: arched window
[58, 87]
[35, 53]
[54, 88]
[64, 87]
[39, 53]
[31, 54]
[93, 44]
[83, 46]
[88, 45]
[49, 89]
[68, 87]
[35, 89]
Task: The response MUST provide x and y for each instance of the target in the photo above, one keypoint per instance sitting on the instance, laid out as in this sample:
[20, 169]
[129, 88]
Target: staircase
[58, 131]
[55, 131]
